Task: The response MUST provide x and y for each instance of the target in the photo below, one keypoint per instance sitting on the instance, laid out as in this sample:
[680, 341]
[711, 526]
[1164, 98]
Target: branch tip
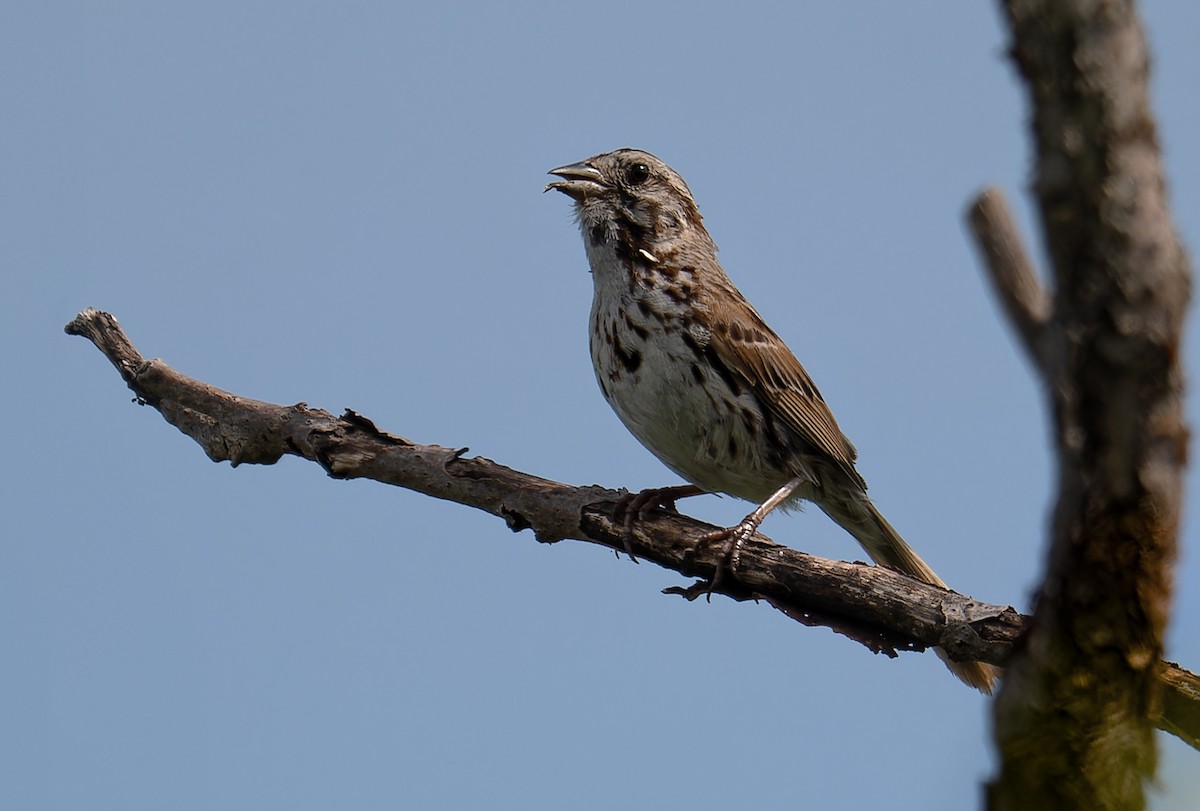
[1014, 281]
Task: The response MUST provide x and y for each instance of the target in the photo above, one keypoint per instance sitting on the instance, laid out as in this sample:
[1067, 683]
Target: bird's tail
[858, 516]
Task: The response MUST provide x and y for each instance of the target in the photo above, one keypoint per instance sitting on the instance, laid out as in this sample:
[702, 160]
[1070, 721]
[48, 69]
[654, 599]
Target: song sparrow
[695, 373]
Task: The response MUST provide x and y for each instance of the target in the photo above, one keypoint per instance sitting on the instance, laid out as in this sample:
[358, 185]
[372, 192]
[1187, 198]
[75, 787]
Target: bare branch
[1011, 272]
[885, 611]
[1181, 704]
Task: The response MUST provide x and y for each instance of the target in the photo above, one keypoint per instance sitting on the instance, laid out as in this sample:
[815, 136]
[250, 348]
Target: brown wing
[751, 349]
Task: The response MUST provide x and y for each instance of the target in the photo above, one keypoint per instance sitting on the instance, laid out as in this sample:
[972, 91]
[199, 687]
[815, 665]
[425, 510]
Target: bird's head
[630, 198]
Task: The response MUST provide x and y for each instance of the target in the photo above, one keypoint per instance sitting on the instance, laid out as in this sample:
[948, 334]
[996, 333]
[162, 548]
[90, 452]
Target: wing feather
[751, 349]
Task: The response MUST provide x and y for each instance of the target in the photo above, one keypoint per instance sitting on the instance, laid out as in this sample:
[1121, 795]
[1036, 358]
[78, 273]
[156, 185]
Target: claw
[632, 507]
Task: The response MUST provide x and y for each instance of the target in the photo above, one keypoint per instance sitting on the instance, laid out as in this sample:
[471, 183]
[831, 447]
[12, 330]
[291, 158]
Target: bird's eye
[637, 174]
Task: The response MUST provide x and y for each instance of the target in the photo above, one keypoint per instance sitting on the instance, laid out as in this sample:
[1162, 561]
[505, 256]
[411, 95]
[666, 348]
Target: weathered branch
[1075, 713]
[885, 611]
[1181, 704]
[1011, 272]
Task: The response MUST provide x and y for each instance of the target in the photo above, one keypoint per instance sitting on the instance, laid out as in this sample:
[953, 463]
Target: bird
[700, 379]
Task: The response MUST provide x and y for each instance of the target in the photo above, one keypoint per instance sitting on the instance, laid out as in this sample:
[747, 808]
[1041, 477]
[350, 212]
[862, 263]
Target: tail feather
[858, 516]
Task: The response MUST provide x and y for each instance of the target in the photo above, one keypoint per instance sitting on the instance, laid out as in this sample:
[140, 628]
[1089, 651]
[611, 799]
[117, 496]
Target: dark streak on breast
[727, 374]
[680, 294]
[713, 360]
[636, 328]
[631, 359]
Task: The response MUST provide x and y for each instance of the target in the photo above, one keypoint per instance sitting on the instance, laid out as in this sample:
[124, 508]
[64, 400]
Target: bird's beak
[578, 180]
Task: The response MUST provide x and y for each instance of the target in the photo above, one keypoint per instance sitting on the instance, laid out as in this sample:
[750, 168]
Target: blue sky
[341, 204]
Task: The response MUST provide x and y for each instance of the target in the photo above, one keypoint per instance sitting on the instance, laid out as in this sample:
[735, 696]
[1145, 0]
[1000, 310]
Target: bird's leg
[741, 532]
[632, 507]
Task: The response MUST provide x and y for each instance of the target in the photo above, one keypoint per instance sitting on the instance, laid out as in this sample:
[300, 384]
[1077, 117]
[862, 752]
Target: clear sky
[341, 203]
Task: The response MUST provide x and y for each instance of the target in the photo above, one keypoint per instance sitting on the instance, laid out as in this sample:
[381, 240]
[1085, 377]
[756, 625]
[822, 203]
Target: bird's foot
[632, 507]
[738, 534]
[731, 540]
